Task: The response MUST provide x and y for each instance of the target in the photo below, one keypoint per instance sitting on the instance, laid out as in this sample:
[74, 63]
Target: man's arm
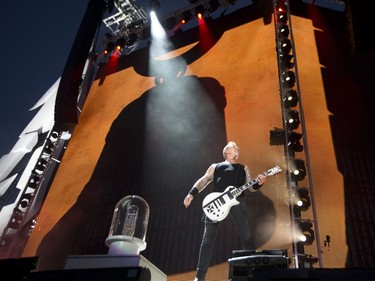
[200, 184]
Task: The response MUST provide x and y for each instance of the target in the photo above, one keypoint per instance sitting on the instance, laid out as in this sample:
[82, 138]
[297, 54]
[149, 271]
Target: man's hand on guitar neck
[261, 179]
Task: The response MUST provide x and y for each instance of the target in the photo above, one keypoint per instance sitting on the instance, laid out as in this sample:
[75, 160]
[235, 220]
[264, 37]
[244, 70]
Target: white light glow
[157, 30]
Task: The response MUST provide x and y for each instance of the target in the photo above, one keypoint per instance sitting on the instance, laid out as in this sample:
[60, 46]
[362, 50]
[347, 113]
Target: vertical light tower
[297, 156]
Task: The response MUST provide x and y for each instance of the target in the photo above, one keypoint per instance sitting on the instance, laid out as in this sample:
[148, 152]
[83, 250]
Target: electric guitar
[217, 205]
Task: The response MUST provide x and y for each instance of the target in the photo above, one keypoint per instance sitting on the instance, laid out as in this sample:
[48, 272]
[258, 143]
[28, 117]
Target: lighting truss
[206, 4]
[128, 14]
[127, 22]
[130, 20]
[294, 119]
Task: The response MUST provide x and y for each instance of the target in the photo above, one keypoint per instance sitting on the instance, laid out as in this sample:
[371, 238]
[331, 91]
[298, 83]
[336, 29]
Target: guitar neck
[237, 191]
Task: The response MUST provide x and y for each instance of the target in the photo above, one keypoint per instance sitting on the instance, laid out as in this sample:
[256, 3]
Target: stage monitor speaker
[245, 262]
[274, 252]
[116, 261]
[303, 274]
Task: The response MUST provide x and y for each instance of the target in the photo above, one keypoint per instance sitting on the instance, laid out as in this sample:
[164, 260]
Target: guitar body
[217, 205]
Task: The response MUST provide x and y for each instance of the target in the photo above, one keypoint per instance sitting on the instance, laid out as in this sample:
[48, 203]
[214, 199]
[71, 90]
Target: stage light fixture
[154, 5]
[199, 11]
[282, 16]
[120, 43]
[298, 169]
[308, 235]
[290, 98]
[54, 135]
[48, 149]
[37, 172]
[286, 61]
[186, 16]
[43, 161]
[111, 46]
[285, 46]
[25, 200]
[281, 6]
[34, 181]
[283, 30]
[294, 142]
[303, 201]
[40, 167]
[289, 78]
[32, 185]
[292, 119]
[24, 203]
[277, 136]
[41, 164]
[35, 177]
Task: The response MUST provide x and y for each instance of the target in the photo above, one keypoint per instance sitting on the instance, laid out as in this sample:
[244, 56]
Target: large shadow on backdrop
[157, 147]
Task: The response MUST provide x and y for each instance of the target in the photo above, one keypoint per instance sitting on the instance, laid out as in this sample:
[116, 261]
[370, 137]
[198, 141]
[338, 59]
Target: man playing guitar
[225, 175]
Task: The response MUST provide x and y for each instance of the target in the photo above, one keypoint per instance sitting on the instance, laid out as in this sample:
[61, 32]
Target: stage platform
[25, 269]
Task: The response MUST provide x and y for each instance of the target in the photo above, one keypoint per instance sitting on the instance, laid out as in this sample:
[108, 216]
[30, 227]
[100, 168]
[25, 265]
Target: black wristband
[257, 186]
[193, 191]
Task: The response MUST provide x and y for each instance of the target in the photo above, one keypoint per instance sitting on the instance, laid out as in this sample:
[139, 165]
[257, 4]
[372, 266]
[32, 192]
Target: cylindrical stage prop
[129, 226]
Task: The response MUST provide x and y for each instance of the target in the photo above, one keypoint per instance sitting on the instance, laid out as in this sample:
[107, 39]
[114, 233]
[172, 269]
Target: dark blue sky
[37, 37]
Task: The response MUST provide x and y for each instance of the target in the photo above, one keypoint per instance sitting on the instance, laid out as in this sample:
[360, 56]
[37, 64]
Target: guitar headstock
[273, 171]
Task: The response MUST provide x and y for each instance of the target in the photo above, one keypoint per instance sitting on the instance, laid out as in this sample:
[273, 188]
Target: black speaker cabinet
[303, 274]
[245, 262]
[274, 265]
